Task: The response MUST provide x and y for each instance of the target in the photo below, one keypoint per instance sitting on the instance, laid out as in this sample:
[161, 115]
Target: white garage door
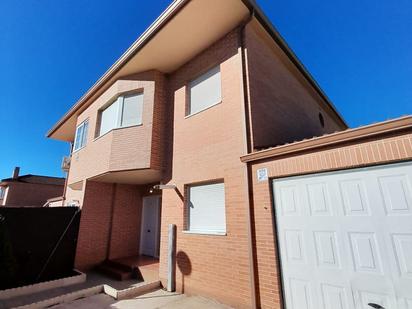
[345, 238]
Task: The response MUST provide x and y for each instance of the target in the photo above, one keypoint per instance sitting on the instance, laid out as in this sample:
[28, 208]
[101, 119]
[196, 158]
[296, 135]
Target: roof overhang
[172, 40]
[181, 32]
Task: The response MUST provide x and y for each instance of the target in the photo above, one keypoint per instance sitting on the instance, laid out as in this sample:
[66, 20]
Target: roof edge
[159, 23]
[333, 139]
[144, 38]
[277, 37]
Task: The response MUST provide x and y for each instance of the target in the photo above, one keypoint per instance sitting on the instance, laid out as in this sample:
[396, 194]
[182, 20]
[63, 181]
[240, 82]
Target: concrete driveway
[156, 299]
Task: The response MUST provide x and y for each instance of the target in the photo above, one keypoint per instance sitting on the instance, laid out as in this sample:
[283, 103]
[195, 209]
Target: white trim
[204, 109]
[212, 233]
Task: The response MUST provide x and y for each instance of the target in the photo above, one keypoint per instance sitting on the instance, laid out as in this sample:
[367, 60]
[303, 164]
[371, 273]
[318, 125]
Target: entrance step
[114, 271]
[137, 267]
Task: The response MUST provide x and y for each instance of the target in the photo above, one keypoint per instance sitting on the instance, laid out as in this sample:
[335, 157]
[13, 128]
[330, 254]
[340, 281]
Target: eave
[162, 47]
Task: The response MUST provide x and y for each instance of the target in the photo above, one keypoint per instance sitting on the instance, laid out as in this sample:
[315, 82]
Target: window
[205, 91]
[124, 112]
[81, 135]
[2, 190]
[206, 208]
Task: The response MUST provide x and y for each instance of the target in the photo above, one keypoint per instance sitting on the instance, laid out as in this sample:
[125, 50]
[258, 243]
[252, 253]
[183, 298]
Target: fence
[37, 244]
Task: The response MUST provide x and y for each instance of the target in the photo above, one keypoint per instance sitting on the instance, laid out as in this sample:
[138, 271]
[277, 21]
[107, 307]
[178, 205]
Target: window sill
[115, 129]
[204, 109]
[211, 233]
[78, 150]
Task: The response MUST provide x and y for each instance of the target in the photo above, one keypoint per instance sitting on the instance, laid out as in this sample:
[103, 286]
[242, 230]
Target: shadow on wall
[185, 266]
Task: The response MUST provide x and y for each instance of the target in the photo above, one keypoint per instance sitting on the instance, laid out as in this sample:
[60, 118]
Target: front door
[150, 226]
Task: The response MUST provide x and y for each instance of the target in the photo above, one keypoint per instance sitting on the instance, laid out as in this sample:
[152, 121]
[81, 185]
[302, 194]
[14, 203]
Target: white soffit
[199, 24]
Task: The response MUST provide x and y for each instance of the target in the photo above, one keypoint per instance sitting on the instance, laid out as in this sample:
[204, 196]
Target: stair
[116, 271]
[139, 267]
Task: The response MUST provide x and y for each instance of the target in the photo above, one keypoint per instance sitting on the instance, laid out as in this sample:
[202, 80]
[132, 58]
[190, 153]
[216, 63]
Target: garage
[345, 238]
[332, 220]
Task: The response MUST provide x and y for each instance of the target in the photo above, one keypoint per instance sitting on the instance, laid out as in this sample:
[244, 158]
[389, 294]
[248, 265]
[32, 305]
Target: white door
[149, 235]
[345, 238]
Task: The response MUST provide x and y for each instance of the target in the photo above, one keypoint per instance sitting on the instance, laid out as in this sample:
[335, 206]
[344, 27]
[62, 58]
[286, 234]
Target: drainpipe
[248, 149]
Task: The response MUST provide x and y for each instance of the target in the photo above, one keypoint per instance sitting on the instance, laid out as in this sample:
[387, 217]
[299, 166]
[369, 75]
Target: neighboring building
[29, 190]
[158, 141]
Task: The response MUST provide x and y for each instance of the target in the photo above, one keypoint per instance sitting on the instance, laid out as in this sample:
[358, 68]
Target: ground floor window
[206, 208]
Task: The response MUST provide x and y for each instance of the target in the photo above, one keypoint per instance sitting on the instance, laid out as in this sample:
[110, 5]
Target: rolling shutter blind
[132, 110]
[205, 91]
[207, 208]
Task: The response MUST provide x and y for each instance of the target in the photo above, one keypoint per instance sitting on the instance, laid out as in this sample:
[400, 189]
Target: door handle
[148, 231]
[376, 306]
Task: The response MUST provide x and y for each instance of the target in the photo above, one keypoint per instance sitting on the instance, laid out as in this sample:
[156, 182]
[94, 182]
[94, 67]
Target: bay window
[125, 111]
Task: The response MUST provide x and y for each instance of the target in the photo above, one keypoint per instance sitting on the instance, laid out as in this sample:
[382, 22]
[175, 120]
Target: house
[29, 190]
[159, 138]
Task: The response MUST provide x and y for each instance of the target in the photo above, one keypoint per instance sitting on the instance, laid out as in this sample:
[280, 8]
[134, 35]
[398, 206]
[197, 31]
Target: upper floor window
[206, 208]
[124, 112]
[81, 135]
[205, 91]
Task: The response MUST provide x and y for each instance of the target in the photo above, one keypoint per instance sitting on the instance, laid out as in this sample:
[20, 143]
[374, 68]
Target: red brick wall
[122, 149]
[94, 225]
[350, 155]
[126, 222]
[284, 107]
[109, 224]
[207, 146]
[29, 194]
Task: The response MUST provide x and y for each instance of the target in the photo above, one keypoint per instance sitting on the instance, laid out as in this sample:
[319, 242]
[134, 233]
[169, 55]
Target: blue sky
[51, 52]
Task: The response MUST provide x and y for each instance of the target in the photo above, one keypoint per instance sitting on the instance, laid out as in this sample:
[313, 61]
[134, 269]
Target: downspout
[248, 143]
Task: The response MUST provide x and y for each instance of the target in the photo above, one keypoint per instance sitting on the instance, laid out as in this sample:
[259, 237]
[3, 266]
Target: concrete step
[114, 272]
[119, 265]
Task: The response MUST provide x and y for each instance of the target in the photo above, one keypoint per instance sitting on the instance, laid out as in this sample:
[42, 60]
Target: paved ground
[93, 279]
[153, 300]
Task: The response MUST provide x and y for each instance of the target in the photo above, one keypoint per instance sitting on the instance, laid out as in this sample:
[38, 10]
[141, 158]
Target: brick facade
[109, 224]
[190, 149]
[207, 146]
[30, 194]
[266, 101]
[284, 107]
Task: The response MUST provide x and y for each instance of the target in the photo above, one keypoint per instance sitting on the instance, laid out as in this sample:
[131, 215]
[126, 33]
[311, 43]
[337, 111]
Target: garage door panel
[396, 194]
[346, 238]
[354, 197]
[326, 248]
[318, 199]
[403, 252]
[338, 297]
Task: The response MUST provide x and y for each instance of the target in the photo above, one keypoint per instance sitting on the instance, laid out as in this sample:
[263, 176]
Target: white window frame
[2, 192]
[83, 137]
[189, 111]
[205, 231]
[119, 113]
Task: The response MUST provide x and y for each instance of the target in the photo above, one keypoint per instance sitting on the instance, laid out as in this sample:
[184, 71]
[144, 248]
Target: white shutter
[205, 91]
[207, 208]
[109, 118]
[132, 110]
